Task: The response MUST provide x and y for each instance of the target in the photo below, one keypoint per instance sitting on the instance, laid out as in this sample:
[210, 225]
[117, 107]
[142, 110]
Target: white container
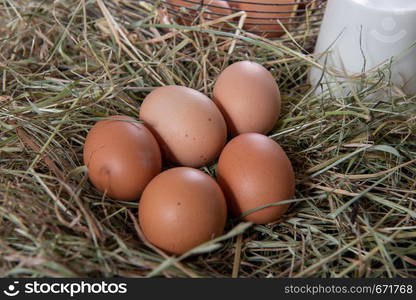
[364, 35]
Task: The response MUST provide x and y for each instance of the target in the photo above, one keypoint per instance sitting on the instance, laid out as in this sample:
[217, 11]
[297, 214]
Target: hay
[66, 64]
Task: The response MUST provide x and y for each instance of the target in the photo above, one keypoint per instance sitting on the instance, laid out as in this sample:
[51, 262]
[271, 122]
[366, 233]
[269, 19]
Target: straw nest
[66, 64]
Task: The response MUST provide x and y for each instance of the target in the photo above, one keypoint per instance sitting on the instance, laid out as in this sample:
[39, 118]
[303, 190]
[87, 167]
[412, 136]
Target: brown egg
[262, 19]
[253, 171]
[213, 8]
[122, 156]
[182, 208]
[188, 126]
[248, 97]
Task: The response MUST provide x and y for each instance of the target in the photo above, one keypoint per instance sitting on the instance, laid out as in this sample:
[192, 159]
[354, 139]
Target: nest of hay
[66, 64]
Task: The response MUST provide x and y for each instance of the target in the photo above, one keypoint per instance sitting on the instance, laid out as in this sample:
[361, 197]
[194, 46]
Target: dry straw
[69, 63]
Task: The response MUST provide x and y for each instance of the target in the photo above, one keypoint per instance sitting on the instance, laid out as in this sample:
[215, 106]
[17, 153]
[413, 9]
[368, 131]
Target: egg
[213, 8]
[122, 156]
[187, 124]
[262, 19]
[254, 171]
[248, 97]
[182, 208]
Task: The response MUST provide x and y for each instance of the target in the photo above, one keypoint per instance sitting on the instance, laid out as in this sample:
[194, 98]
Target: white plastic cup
[358, 36]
